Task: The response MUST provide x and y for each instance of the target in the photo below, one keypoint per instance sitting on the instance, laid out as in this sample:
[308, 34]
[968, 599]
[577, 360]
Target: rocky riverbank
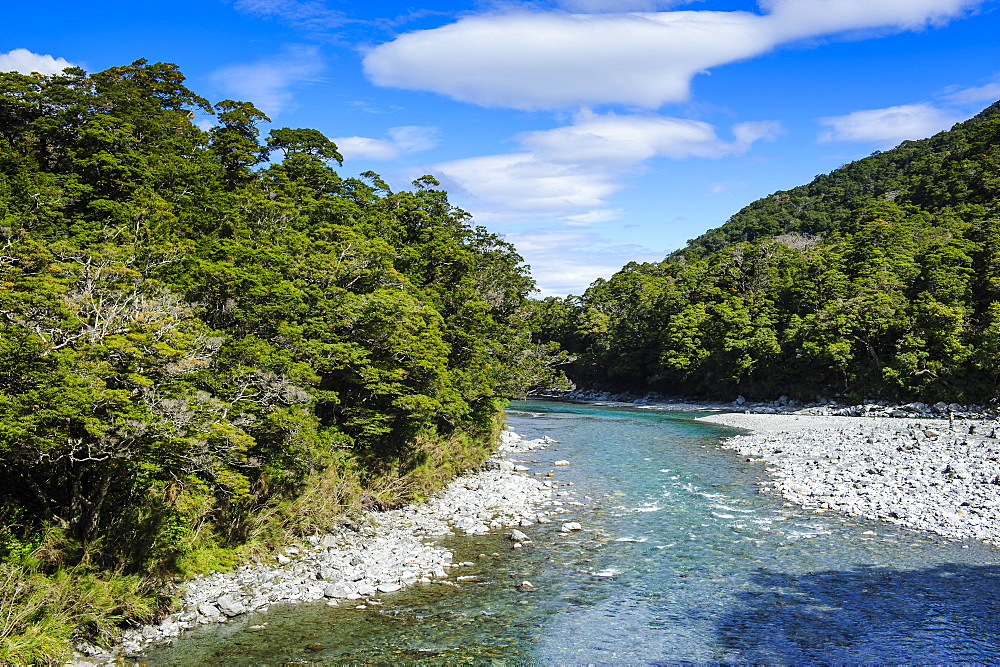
[937, 475]
[783, 405]
[928, 467]
[389, 551]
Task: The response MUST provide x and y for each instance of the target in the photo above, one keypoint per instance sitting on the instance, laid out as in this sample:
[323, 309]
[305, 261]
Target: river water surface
[680, 560]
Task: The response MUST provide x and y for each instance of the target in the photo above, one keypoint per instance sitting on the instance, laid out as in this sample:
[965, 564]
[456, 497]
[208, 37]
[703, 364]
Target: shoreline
[932, 468]
[936, 475]
[780, 406]
[353, 566]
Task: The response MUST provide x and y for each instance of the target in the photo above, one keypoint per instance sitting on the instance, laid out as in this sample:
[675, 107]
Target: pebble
[911, 472]
[386, 552]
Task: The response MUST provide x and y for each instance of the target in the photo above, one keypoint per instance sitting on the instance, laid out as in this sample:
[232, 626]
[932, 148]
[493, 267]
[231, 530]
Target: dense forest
[210, 341]
[880, 279]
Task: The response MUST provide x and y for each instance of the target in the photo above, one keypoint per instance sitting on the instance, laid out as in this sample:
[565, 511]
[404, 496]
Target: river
[681, 560]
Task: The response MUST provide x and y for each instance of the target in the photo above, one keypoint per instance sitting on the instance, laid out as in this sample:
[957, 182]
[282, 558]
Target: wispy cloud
[414, 138]
[306, 14]
[406, 139]
[368, 106]
[724, 187]
[569, 173]
[889, 126]
[26, 62]
[978, 94]
[268, 83]
[556, 60]
[519, 186]
[566, 261]
[618, 6]
[795, 19]
[757, 130]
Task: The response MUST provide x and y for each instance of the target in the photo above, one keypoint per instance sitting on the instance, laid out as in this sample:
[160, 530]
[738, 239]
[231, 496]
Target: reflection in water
[680, 559]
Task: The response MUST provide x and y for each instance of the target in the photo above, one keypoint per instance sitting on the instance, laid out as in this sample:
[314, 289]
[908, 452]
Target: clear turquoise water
[694, 566]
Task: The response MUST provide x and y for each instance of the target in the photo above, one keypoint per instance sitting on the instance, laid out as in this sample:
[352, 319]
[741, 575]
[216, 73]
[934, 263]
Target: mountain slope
[881, 279]
[957, 168]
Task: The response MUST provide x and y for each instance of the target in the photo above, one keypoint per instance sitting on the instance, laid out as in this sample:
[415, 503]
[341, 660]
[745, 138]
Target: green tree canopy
[197, 326]
[876, 280]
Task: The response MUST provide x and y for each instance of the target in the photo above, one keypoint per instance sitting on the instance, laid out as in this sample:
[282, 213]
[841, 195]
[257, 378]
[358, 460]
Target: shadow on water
[947, 613]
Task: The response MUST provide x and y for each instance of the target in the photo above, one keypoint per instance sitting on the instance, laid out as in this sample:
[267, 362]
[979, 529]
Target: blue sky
[589, 133]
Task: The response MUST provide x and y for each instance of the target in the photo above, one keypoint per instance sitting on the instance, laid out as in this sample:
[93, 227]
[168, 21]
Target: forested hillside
[880, 279]
[210, 339]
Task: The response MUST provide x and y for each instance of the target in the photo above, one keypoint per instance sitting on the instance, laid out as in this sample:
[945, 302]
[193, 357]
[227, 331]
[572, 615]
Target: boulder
[364, 588]
[209, 610]
[230, 605]
[341, 589]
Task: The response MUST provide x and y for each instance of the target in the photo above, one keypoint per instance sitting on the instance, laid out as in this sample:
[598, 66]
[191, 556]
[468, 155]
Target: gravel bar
[935, 475]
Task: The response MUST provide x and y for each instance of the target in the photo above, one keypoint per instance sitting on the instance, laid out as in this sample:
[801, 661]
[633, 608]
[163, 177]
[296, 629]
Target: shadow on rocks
[948, 613]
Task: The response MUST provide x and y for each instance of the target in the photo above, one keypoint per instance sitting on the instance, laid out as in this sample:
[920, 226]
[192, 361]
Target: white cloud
[570, 172]
[567, 261]
[268, 83]
[406, 139]
[26, 62]
[988, 93]
[551, 60]
[519, 185]
[756, 130]
[810, 18]
[887, 126]
[363, 148]
[613, 139]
